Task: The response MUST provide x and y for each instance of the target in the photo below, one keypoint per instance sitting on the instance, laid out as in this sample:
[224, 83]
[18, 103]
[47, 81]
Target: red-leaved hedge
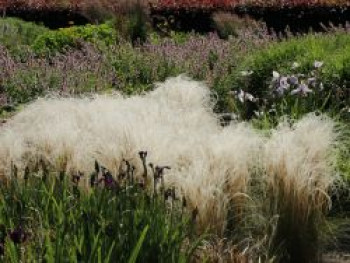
[227, 4]
[173, 4]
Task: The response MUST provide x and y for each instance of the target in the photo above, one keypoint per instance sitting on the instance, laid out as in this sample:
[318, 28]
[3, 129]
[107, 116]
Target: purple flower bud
[18, 235]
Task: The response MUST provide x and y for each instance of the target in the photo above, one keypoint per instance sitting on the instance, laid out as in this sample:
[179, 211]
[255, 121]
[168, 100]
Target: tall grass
[176, 116]
[228, 175]
[299, 175]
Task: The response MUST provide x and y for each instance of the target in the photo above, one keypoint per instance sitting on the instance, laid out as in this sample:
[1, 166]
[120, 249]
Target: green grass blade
[138, 246]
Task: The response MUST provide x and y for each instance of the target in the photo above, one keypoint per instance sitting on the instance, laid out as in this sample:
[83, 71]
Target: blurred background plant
[229, 24]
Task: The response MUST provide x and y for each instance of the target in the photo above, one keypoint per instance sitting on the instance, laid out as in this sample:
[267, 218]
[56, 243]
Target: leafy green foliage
[15, 34]
[137, 71]
[58, 40]
[331, 50]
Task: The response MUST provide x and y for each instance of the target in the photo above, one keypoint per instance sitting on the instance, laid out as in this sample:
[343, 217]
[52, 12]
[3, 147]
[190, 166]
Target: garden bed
[245, 162]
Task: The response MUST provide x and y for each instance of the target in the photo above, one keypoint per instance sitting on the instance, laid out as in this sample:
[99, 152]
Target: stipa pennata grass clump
[175, 123]
[227, 175]
[299, 163]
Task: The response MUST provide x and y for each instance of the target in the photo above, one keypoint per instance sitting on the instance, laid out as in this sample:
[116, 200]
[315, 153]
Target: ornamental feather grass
[175, 123]
[214, 167]
[299, 163]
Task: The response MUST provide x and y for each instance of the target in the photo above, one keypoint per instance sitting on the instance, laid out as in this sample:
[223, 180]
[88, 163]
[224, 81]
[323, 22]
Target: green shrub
[59, 40]
[25, 85]
[177, 37]
[137, 70]
[16, 33]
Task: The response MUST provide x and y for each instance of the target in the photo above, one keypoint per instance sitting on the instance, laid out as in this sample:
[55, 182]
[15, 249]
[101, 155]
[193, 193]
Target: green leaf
[138, 246]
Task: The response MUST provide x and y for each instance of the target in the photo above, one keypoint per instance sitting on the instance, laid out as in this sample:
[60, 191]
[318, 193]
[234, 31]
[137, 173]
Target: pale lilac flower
[302, 89]
[293, 80]
[284, 82]
[282, 85]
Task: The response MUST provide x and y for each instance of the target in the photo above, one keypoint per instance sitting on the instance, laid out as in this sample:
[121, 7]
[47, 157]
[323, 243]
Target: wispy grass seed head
[210, 165]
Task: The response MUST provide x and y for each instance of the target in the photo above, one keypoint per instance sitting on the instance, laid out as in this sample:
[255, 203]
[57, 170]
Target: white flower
[295, 65]
[259, 113]
[249, 97]
[282, 85]
[275, 74]
[242, 96]
[321, 86]
[318, 64]
[246, 73]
